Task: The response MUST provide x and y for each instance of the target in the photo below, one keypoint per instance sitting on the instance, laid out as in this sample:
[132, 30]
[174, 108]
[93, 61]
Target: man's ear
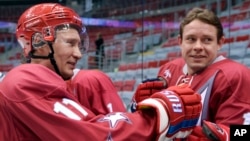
[179, 40]
[221, 42]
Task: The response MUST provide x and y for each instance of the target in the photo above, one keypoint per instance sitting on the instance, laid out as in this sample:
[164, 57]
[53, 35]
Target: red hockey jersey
[36, 105]
[95, 90]
[224, 86]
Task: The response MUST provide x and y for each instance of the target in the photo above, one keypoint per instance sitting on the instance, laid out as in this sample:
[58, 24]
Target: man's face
[199, 45]
[66, 51]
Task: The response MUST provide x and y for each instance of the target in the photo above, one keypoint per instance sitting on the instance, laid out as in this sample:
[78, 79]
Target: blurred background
[139, 35]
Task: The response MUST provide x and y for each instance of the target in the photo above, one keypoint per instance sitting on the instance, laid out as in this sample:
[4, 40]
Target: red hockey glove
[210, 132]
[178, 109]
[216, 132]
[146, 89]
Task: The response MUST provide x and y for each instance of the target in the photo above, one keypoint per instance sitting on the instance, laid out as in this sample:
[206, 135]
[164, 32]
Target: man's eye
[206, 40]
[74, 43]
[190, 39]
[69, 42]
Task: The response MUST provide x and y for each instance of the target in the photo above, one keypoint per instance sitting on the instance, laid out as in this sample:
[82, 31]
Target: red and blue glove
[146, 89]
[178, 109]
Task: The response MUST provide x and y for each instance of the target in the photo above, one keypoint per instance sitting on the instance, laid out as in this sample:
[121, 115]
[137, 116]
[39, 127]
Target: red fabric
[95, 90]
[30, 99]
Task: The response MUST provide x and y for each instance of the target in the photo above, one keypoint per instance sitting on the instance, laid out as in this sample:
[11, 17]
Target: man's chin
[68, 75]
[197, 67]
[67, 78]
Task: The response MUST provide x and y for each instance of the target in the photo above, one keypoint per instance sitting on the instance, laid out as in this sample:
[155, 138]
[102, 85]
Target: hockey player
[222, 83]
[36, 105]
[96, 91]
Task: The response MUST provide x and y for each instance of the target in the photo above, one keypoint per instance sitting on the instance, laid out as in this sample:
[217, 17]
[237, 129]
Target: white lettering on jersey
[60, 108]
[74, 104]
[246, 117]
[110, 108]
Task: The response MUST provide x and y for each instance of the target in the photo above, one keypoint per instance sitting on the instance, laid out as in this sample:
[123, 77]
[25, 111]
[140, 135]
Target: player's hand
[178, 109]
[210, 132]
[146, 89]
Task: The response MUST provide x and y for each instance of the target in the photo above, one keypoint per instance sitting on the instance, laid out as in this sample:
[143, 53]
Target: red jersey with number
[36, 105]
[224, 86]
[95, 90]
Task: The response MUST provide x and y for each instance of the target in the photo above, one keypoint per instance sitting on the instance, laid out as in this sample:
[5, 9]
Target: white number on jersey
[109, 106]
[59, 107]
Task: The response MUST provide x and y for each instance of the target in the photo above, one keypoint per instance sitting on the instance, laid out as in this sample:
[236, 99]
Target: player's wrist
[162, 117]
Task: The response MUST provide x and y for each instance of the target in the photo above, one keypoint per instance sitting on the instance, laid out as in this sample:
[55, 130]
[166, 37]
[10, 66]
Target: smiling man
[222, 83]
